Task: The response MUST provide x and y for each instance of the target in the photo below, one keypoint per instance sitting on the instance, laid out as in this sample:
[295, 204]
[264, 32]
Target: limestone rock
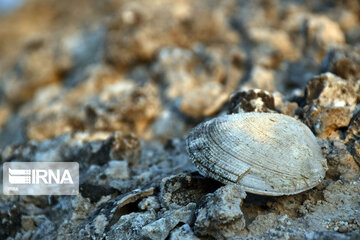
[331, 102]
[161, 228]
[183, 233]
[219, 214]
[183, 189]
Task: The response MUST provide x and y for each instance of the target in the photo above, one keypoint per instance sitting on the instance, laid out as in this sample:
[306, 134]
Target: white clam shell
[267, 153]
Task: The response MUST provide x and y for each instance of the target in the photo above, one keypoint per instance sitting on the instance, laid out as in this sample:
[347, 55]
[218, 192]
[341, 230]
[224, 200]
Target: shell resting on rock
[267, 153]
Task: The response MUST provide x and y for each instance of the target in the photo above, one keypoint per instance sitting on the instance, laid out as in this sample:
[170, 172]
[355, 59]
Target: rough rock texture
[183, 233]
[251, 101]
[219, 214]
[331, 102]
[160, 228]
[189, 75]
[183, 189]
[116, 85]
[353, 137]
[130, 225]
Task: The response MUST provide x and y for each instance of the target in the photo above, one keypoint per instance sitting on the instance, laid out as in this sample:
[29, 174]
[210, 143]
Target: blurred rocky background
[115, 85]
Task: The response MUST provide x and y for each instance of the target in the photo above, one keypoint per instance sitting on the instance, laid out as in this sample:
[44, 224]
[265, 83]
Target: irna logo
[36, 176]
[41, 178]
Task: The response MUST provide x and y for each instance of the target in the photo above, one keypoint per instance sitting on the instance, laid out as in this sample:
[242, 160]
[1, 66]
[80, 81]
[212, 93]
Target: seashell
[267, 153]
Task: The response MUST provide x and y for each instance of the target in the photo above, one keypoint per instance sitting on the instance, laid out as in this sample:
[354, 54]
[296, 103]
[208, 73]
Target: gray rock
[149, 203]
[10, 219]
[219, 214]
[300, 72]
[161, 228]
[13, 132]
[46, 229]
[102, 219]
[183, 233]
[180, 190]
[117, 169]
[353, 137]
[326, 235]
[129, 226]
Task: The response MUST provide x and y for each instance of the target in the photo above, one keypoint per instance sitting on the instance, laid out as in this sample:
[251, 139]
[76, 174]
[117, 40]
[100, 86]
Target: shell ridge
[209, 133]
[259, 165]
[205, 151]
[269, 154]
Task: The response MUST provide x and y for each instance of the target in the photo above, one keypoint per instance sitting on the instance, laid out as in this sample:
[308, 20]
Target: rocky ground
[116, 85]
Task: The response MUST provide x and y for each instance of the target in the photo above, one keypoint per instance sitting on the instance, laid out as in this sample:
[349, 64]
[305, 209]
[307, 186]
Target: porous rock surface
[116, 86]
[219, 214]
